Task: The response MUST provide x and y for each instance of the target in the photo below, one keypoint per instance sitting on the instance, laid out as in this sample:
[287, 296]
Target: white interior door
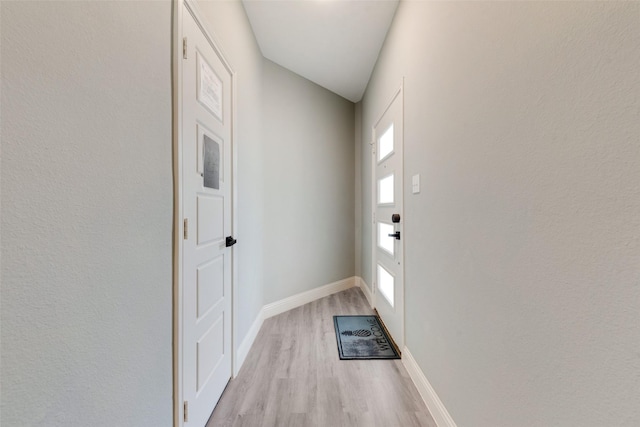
[389, 262]
[206, 206]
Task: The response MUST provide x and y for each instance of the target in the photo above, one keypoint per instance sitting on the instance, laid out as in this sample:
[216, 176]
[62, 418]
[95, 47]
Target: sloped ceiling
[334, 43]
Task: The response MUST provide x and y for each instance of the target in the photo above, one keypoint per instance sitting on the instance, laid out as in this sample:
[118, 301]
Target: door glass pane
[384, 241]
[385, 190]
[386, 284]
[211, 163]
[385, 143]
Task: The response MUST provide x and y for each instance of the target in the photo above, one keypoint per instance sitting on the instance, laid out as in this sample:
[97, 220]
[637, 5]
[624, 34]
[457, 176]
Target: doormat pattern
[363, 337]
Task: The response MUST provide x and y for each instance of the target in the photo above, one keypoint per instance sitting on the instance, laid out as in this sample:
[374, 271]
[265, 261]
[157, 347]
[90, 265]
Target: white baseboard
[283, 305]
[366, 290]
[431, 399]
[303, 298]
[247, 342]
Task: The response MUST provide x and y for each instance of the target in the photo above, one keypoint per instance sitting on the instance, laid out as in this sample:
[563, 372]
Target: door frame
[178, 226]
[399, 93]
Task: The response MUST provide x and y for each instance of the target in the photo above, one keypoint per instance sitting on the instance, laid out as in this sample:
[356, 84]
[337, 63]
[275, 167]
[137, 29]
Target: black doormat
[363, 337]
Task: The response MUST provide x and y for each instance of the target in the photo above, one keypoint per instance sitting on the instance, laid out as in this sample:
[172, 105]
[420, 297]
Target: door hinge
[185, 228]
[184, 48]
[186, 411]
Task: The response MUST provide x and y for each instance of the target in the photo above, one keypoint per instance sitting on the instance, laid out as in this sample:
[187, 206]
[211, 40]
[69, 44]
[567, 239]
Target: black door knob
[231, 241]
[396, 235]
[395, 218]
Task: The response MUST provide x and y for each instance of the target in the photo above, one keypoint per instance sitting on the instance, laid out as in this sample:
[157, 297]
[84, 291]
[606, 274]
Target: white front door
[387, 197]
[206, 207]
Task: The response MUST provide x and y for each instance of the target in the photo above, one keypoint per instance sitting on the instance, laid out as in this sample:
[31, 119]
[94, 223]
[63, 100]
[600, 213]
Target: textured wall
[523, 247]
[308, 184]
[86, 214]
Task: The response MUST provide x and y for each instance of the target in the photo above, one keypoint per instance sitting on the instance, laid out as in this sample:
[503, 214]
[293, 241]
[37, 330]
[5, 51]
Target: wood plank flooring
[293, 377]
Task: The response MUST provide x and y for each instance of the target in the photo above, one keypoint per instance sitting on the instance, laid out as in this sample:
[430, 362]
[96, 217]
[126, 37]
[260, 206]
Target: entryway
[388, 215]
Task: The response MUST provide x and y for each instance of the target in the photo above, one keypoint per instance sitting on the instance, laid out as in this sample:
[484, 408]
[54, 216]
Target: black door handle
[396, 235]
[231, 241]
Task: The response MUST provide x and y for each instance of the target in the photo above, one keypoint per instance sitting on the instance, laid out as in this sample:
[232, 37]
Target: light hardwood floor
[293, 377]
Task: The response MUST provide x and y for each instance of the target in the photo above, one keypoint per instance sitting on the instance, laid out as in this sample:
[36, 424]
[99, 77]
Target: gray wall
[522, 249]
[295, 173]
[308, 184]
[87, 202]
[86, 214]
[228, 24]
[358, 188]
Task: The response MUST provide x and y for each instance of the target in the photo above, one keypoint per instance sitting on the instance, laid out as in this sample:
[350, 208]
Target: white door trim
[398, 93]
[178, 230]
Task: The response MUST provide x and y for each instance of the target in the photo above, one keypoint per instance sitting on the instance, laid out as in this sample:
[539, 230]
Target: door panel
[210, 218]
[389, 262]
[210, 352]
[206, 206]
[210, 279]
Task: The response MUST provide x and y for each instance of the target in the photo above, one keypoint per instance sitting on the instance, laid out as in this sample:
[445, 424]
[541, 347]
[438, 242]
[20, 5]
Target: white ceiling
[334, 43]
